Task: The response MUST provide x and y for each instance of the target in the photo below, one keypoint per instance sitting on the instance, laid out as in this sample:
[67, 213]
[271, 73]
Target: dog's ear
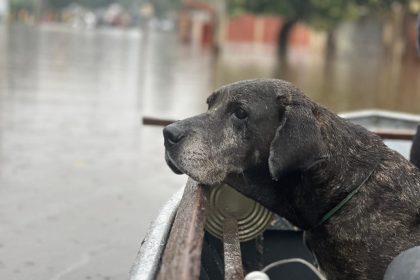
[298, 143]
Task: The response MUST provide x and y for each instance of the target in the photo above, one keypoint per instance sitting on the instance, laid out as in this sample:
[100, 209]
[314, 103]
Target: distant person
[418, 34]
[415, 149]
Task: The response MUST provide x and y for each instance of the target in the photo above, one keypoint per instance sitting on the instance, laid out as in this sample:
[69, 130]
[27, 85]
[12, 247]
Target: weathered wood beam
[397, 134]
[156, 121]
[232, 250]
[182, 256]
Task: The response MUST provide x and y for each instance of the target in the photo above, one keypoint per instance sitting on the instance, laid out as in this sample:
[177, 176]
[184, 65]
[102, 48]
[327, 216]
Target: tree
[16, 5]
[321, 14]
[59, 4]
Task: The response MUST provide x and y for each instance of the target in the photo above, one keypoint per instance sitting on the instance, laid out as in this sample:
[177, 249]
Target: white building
[4, 9]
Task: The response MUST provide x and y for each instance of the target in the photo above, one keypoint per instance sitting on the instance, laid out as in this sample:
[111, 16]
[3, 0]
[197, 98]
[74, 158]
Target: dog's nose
[172, 134]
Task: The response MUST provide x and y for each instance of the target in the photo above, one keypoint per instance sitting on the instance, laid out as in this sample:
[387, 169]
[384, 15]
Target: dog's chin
[206, 178]
[172, 166]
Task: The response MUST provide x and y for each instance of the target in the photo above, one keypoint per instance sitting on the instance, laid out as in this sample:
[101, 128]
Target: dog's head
[248, 125]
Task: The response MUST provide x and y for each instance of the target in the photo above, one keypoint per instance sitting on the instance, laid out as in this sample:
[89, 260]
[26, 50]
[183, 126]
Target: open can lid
[252, 217]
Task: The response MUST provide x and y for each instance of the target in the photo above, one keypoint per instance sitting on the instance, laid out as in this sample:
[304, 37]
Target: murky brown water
[80, 179]
[179, 77]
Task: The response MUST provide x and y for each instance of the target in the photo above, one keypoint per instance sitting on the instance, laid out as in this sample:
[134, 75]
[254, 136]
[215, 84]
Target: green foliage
[323, 14]
[58, 4]
[16, 5]
[163, 6]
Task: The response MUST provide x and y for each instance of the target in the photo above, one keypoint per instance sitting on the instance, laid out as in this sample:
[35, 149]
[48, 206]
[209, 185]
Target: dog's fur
[273, 144]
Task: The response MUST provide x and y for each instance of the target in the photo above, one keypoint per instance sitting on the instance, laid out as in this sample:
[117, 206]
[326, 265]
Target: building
[4, 10]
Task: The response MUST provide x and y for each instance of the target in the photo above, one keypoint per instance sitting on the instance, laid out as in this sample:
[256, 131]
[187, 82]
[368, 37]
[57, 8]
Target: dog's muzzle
[172, 135]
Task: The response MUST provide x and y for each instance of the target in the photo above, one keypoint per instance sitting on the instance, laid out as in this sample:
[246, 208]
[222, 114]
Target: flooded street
[81, 178]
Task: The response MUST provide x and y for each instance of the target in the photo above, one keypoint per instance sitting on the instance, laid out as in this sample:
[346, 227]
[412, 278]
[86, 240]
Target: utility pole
[39, 6]
[221, 15]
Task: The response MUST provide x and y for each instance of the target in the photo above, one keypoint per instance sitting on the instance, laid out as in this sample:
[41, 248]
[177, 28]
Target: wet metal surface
[251, 217]
[150, 254]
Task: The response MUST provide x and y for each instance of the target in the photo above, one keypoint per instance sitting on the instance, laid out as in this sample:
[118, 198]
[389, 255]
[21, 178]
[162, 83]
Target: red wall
[244, 28]
[241, 29]
[300, 35]
[272, 26]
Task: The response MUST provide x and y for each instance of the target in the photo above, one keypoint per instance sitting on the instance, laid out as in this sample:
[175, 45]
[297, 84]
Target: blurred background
[81, 178]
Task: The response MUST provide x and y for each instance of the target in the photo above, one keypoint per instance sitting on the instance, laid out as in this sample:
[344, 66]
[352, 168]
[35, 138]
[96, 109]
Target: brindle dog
[270, 142]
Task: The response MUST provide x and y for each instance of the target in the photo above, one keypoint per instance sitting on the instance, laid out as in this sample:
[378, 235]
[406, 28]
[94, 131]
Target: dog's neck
[258, 185]
[324, 185]
[305, 196]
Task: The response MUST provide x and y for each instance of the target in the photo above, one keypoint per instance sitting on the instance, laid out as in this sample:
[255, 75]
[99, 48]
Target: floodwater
[81, 178]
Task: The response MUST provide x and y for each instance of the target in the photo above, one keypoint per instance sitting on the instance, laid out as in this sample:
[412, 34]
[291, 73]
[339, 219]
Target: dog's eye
[240, 113]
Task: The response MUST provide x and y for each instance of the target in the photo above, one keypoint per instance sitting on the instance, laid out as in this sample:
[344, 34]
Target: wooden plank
[397, 134]
[156, 121]
[232, 250]
[182, 255]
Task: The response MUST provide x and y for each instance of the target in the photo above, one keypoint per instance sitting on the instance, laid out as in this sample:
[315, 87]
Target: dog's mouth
[204, 176]
[172, 165]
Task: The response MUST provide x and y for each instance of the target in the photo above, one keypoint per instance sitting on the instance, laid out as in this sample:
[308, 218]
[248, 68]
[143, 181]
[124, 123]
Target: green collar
[340, 205]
